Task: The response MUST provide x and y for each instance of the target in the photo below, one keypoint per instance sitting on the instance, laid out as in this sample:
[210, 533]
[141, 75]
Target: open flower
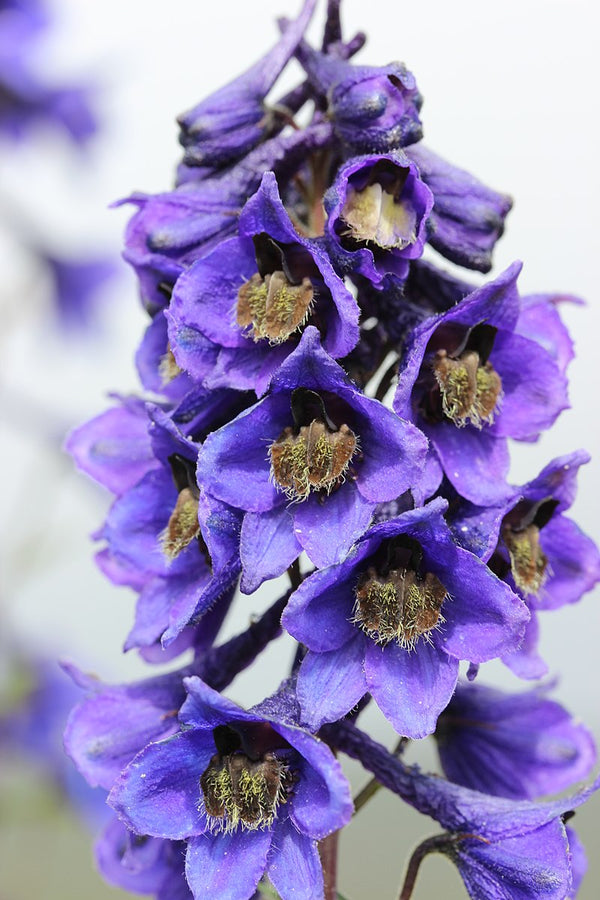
[377, 209]
[250, 793]
[394, 618]
[317, 441]
[251, 297]
[469, 380]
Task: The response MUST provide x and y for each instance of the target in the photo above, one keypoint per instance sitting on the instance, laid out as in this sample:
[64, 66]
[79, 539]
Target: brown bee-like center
[239, 791]
[183, 525]
[400, 606]
[528, 562]
[272, 307]
[471, 392]
[315, 458]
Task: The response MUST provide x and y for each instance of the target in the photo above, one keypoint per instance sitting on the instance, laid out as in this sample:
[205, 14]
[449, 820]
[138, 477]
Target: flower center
[377, 216]
[311, 459]
[272, 307]
[239, 791]
[377, 213]
[183, 525]
[471, 392]
[401, 605]
[528, 562]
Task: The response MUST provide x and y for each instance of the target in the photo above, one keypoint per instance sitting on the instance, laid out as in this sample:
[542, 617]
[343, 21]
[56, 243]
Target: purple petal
[205, 296]
[227, 866]
[268, 546]
[574, 563]
[233, 464]
[294, 866]
[525, 661]
[318, 613]
[326, 530]
[411, 687]
[114, 448]
[159, 792]
[475, 462]
[106, 730]
[331, 683]
[535, 391]
[534, 866]
[321, 802]
[484, 618]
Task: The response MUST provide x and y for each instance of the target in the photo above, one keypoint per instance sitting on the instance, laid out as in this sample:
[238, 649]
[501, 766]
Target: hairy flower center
[528, 562]
[240, 791]
[272, 307]
[400, 606]
[377, 216]
[313, 459]
[183, 525]
[470, 392]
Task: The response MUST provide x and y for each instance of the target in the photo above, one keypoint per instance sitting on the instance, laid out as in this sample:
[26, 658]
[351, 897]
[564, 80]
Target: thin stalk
[328, 851]
[437, 844]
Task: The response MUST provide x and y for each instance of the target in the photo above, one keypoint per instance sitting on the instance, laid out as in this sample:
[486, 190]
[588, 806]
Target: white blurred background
[510, 94]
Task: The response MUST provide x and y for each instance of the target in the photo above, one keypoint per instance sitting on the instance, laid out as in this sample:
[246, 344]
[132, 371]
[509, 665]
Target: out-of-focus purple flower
[377, 209]
[33, 727]
[249, 791]
[252, 295]
[76, 286]
[512, 745]
[468, 217]
[26, 100]
[229, 123]
[469, 380]
[394, 618]
[141, 864]
[373, 108]
[316, 440]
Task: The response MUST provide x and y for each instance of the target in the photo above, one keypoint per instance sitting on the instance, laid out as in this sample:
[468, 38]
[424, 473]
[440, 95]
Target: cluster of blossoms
[288, 301]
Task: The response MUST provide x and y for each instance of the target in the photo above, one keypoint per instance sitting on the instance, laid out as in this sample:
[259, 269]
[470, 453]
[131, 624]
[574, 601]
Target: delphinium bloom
[289, 296]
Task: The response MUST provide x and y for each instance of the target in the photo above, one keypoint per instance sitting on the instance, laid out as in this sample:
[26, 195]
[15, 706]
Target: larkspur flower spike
[322, 401]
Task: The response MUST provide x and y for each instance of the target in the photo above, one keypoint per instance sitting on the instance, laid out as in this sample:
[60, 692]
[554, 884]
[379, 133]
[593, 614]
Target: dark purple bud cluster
[288, 298]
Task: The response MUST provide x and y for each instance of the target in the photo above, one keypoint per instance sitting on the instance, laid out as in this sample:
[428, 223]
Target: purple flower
[316, 440]
[165, 538]
[229, 123]
[529, 542]
[501, 847]
[394, 618]
[512, 745]
[373, 108]
[26, 100]
[76, 285]
[469, 380]
[468, 217]
[172, 229]
[377, 210]
[249, 793]
[252, 295]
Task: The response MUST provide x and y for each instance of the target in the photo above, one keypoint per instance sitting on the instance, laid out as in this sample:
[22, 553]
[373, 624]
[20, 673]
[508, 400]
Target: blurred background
[509, 95]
